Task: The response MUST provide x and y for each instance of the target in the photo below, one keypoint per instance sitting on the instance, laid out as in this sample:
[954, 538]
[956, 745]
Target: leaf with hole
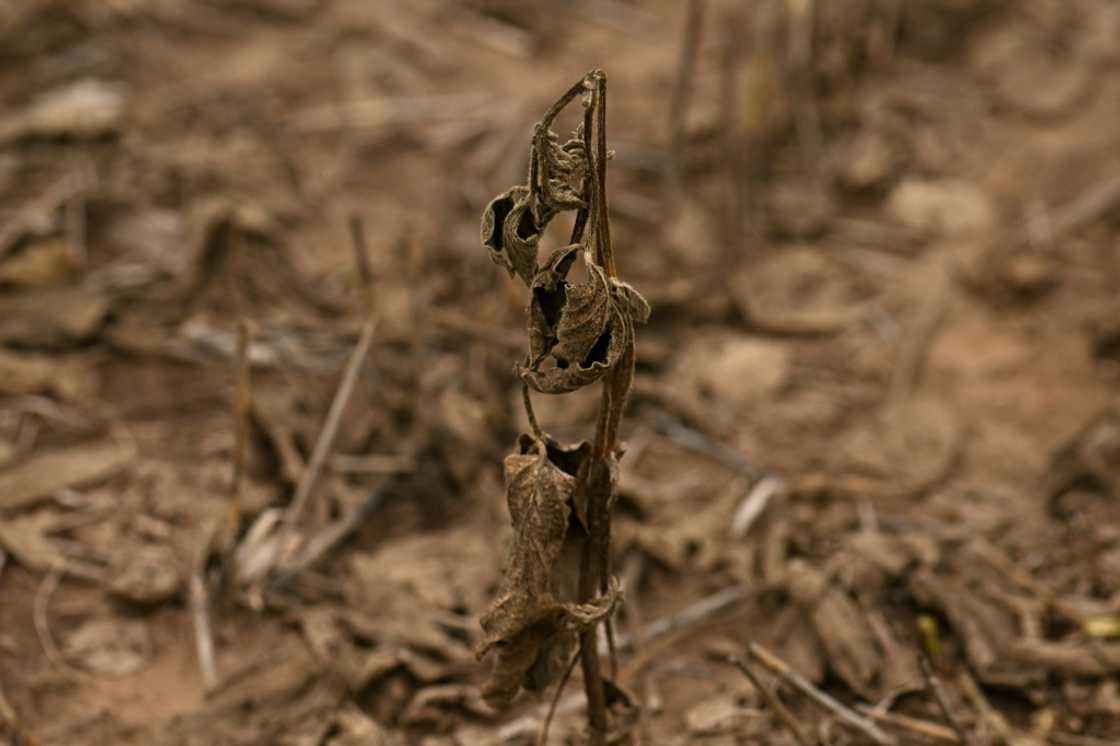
[510, 231]
[576, 331]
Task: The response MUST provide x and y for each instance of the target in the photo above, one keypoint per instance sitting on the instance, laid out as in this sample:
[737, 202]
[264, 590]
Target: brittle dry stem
[241, 412]
[598, 484]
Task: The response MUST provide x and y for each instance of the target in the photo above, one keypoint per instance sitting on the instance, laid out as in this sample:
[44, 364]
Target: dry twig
[326, 438]
[920, 728]
[41, 617]
[203, 631]
[772, 700]
[682, 85]
[241, 407]
[543, 738]
[993, 718]
[846, 715]
[935, 687]
[697, 613]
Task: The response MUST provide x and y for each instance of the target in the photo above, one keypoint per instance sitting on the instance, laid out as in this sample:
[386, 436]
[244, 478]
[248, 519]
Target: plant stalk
[598, 484]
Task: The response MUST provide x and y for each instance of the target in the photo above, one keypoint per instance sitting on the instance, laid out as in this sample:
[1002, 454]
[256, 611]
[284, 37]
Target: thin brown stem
[598, 491]
[598, 484]
[542, 739]
[605, 256]
[325, 442]
[682, 86]
[844, 714]
[528, 402]
[772, 700]
[241, 425]
[362, 262]
[937, 689]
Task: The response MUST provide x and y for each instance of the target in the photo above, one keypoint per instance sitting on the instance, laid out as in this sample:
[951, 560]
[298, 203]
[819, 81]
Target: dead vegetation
[256, 387]
[561, 495]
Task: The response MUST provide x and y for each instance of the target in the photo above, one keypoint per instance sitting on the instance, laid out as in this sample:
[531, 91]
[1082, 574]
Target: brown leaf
[550, 296]
[577, 332]
[43, 475]
[585, 319]
[839, 625]
[632, 301]
[565, 165]
[530, 621]
[509, 230]
[538, 494]
[43, 317]
[535, 657]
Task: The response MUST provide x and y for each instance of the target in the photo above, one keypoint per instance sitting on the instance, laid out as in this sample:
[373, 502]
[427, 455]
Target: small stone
[868, 161]
[147, 576]
[947, 208]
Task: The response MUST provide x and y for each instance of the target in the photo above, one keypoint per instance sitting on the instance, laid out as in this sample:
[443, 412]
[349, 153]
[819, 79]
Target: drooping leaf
[636, 306]
[530, 621]
[510, 231]
[536, 656]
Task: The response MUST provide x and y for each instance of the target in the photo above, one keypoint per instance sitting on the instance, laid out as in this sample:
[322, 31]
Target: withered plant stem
[542, 739]
[606, 252]
[362, 263]
[594, 562]
[241, 423]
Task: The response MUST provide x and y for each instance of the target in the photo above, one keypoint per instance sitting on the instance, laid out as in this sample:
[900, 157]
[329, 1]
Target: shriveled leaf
[536, 656]
[561, 377]
[576, 332]
[529, 621]
[510, 231]
[584, 321]
[538, 494]
[631, 300]
[550, 296]
[565, 166]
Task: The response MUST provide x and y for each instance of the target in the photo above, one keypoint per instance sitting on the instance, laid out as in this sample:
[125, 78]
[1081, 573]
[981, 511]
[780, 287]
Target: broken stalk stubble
[560, 495]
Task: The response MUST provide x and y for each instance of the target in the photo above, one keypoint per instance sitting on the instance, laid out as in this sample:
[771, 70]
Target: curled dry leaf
[565, 166]
[577, 332]
[632, 301]
[510, 231]
[532, 622]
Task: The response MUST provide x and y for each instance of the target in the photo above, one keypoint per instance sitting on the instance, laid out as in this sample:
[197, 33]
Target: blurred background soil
[876, 408]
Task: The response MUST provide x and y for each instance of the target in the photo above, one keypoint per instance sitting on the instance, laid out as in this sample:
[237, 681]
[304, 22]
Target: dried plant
[557, 587]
